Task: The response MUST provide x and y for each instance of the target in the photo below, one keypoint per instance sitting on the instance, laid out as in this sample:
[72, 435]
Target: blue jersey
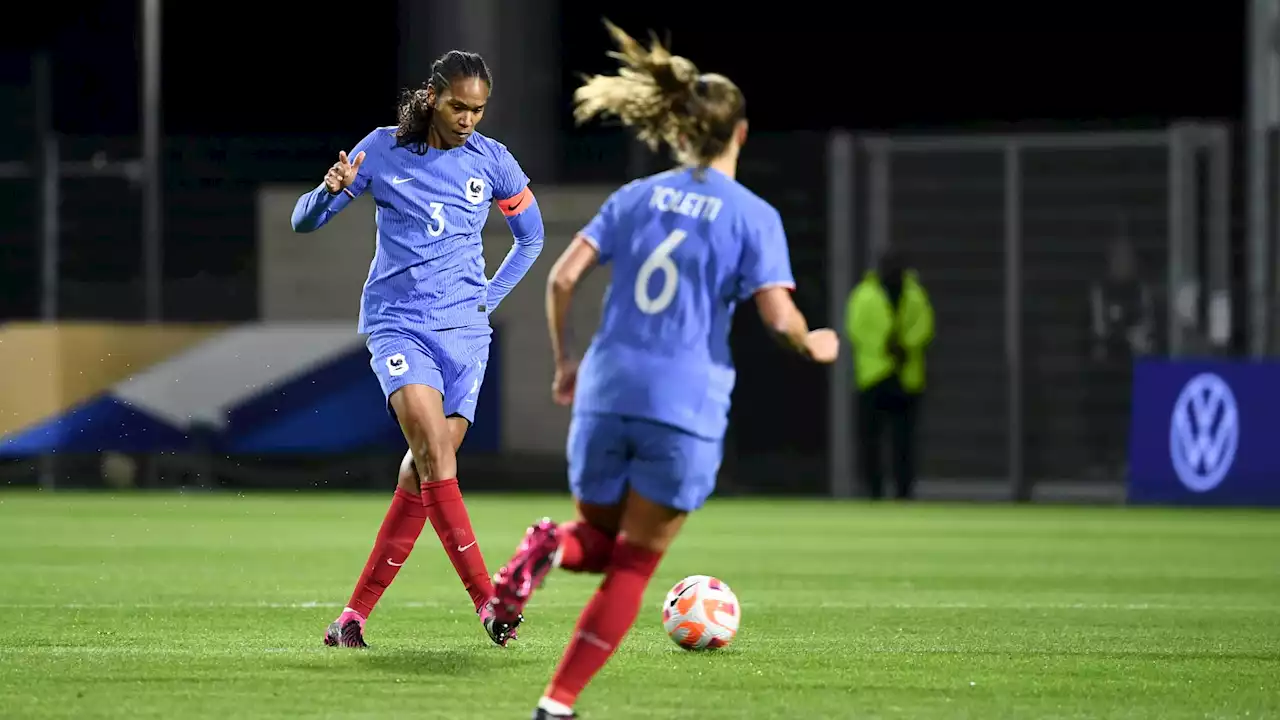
[685, 250]
[428, 267]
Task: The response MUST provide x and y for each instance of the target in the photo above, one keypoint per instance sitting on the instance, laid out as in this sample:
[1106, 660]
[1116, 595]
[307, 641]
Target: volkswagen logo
[1204, 432]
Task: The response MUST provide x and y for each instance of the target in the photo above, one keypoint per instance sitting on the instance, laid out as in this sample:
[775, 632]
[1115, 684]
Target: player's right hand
[823, 345]
[565, 382]
[343, 172]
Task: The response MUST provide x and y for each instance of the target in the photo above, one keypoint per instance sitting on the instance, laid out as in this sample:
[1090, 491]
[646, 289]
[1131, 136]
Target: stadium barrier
[1204, 433]
[248, 390]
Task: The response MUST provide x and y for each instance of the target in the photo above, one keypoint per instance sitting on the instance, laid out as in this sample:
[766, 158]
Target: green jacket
[871, 324]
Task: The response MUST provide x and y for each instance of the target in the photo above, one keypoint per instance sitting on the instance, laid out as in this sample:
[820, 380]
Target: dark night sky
[256, 72]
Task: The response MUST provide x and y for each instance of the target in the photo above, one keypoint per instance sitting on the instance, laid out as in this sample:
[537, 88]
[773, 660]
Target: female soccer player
[426, 307]
[651, 398]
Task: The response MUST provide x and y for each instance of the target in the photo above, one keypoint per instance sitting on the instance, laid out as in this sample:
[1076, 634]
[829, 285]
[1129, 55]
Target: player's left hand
[565, 382]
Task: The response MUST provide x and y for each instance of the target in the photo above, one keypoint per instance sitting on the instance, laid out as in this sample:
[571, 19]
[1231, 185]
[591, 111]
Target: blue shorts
[451, 361]
[671, 467]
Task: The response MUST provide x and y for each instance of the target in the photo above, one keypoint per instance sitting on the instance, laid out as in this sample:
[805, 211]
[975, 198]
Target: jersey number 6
[659, 260]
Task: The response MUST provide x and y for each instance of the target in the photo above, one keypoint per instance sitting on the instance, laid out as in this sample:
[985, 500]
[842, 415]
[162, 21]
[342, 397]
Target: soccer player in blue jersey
[426, 307]
[651, 397]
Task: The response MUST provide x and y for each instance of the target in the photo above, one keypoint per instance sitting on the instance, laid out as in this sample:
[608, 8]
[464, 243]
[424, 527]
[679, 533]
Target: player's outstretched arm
[525, 220]
[315, 208]
[343, 183]
[785, 321]
[570, 268]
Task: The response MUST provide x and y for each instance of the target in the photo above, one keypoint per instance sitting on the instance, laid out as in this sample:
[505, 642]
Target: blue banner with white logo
[1205, 433]
[259, 389]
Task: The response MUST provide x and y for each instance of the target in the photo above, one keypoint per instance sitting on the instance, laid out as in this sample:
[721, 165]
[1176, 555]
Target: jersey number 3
[437, 216]
[659, 261]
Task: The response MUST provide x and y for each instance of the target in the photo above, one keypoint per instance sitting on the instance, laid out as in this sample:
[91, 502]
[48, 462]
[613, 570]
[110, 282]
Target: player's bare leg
[646, 531]
[499, 632]
[400, 529]
[606, 518]
[430, 434]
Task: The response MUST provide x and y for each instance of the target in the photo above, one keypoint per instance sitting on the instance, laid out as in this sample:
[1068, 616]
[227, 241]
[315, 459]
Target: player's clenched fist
[823, 345]
[343, 173]
[566, 380]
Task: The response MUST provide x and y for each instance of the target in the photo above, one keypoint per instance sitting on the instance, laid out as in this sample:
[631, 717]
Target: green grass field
[208, 606]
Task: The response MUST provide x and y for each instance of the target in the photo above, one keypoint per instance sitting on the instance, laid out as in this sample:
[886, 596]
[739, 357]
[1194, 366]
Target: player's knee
[441, 462]
[632, 557]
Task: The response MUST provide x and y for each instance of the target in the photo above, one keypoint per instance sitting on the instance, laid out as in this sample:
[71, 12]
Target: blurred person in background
[1121, 327]
[890, 324]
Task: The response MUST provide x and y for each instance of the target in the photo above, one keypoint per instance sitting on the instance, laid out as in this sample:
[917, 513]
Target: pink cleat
[346, 631]
[515, 582]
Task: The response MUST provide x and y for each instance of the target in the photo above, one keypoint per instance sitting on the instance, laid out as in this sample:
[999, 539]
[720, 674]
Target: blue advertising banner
[248, 390]
[1205, 433]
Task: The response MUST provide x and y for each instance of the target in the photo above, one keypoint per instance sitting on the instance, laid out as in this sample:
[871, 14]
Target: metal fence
[1008, 233]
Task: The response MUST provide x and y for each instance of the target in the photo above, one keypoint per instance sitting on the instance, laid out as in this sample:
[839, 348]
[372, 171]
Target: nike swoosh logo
[518, 202]
[394, 564]
[399, 180]
[676, 599]
[464, 548]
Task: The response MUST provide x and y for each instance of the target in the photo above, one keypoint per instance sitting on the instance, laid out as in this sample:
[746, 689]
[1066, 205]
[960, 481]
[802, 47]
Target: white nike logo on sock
[595, 640]
[393, 563]
[464, 548]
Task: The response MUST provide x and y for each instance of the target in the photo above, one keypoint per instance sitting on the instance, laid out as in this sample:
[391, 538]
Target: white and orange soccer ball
[701, 613]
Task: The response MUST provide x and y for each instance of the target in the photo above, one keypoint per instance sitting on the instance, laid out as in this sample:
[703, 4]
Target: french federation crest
[474, 190]
[1204, 432]
[397, 365]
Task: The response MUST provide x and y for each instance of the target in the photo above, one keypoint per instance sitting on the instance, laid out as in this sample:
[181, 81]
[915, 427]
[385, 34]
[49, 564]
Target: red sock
[448, 515]
[605, 621]
[584, 548]
[400, 529]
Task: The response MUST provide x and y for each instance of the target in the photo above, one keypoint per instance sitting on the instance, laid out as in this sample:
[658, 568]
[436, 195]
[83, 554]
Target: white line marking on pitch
[834, 604]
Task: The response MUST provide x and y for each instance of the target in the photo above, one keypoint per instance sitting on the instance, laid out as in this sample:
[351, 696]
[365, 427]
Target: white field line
[825, 604]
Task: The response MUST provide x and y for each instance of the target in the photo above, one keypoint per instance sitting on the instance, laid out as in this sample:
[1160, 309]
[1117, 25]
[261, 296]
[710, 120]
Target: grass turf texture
[208, 606]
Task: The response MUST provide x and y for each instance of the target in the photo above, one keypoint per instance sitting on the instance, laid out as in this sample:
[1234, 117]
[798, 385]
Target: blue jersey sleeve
[369, 168]
[602, 228]
[520, 207]
[508, 177]
[315, 208]
[766, 261]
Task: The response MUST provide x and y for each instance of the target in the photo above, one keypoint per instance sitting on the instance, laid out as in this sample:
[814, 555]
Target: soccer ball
[701, 613]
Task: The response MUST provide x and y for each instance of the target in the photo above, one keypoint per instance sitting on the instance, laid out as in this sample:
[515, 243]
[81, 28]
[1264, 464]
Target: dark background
[265, 92]
[250, 68]
[260, 92]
